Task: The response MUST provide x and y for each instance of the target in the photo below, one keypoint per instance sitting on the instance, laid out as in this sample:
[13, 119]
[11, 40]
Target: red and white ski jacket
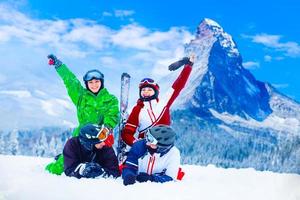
[146, 114]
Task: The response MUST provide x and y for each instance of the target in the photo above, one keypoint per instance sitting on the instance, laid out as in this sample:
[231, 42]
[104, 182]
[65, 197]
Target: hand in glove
[184, 61]
[54, 61]
[90, 170]
[129, 179]
[143, 177]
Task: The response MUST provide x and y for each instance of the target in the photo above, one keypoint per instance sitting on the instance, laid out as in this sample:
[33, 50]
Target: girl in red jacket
[150, 110]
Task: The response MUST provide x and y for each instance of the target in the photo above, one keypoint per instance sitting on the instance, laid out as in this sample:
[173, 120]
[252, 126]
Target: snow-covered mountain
[227, 117]
[30, 181]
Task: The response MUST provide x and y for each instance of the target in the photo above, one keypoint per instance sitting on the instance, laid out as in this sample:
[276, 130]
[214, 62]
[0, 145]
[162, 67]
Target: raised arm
[71, 82]
[180, 82]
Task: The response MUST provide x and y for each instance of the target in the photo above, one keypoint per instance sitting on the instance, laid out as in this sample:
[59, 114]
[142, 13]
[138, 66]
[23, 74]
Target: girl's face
[147, 92]
[94, 85]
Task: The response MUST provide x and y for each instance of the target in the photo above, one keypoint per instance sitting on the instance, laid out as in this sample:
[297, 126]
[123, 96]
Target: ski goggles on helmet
[93, 74]
[147, 80]
[150, 138]
[101, 136]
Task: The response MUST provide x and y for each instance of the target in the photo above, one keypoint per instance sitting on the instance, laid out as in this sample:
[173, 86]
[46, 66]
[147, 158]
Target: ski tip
[124, 74]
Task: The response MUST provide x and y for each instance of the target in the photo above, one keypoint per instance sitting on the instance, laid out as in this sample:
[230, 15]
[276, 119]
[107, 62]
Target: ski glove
[90, 170]
[184, 61]
[54, 61]
[144, 177]
[129, 179]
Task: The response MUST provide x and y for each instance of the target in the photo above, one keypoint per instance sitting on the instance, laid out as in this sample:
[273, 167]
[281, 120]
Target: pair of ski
[125, 85]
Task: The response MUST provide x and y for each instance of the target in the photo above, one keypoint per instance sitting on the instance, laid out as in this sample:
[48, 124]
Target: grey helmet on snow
[164, 135]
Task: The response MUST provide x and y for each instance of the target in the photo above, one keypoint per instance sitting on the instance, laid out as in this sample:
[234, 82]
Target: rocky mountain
[226, 117]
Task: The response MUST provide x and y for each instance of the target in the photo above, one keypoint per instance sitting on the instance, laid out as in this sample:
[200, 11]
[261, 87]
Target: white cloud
[16, 93]
[138, 37]
[268, 58]
[80, 37]
[107, 14]
[124, 13]
[55, 106]
[290, 48]
[2, 78]
[251, 65]
[281, 86]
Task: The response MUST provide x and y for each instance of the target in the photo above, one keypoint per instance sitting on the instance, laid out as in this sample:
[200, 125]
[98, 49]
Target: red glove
[109, 140]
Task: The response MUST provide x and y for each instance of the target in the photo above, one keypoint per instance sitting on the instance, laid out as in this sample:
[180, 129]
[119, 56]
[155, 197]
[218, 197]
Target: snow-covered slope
[25, 178]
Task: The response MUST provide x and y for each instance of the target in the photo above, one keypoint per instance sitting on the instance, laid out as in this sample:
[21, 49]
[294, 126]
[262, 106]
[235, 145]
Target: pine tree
[13, 143]
[41, 147]
[2, 143]
[52, 147]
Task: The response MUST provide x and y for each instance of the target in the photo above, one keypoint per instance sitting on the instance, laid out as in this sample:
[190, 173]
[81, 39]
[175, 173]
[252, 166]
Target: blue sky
[267, 34]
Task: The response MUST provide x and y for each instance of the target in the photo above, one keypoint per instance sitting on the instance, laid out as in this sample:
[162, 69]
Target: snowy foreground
[24, 178]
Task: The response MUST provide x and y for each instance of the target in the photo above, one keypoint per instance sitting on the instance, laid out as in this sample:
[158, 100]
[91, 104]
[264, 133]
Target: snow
[211, 22]
[251, 89]
[25, 178]
[287, 124]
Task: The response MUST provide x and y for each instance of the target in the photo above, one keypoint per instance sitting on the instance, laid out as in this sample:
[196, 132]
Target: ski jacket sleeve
[72, 84]
[71, 159]
[131, 124]
[109, 162]
[137, 150]
[111, 116]
[179, 83]
[173, 163]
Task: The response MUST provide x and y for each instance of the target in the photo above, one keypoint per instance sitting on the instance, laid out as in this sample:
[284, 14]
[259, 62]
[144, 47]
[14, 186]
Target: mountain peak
[208, 27]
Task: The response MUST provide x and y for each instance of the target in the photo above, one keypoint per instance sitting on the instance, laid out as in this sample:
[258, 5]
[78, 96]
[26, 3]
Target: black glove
[144, 177]
[54, 61]
[174, 66]
[129, 179]
[92, 170]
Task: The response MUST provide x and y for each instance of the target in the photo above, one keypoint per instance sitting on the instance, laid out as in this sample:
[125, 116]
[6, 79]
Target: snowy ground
[24, 178]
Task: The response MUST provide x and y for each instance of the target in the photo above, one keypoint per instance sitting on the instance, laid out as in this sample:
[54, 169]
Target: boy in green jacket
[94, 104]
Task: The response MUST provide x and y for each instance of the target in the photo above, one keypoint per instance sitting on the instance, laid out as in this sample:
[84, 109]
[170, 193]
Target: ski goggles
[147, 80]
[102, 134]
[93, 74]
[150, 138]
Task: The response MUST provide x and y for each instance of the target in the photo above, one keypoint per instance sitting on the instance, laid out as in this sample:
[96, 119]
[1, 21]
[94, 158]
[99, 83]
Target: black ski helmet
[88, 136]
[164, 135]
[148, 82]
[93, 74]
